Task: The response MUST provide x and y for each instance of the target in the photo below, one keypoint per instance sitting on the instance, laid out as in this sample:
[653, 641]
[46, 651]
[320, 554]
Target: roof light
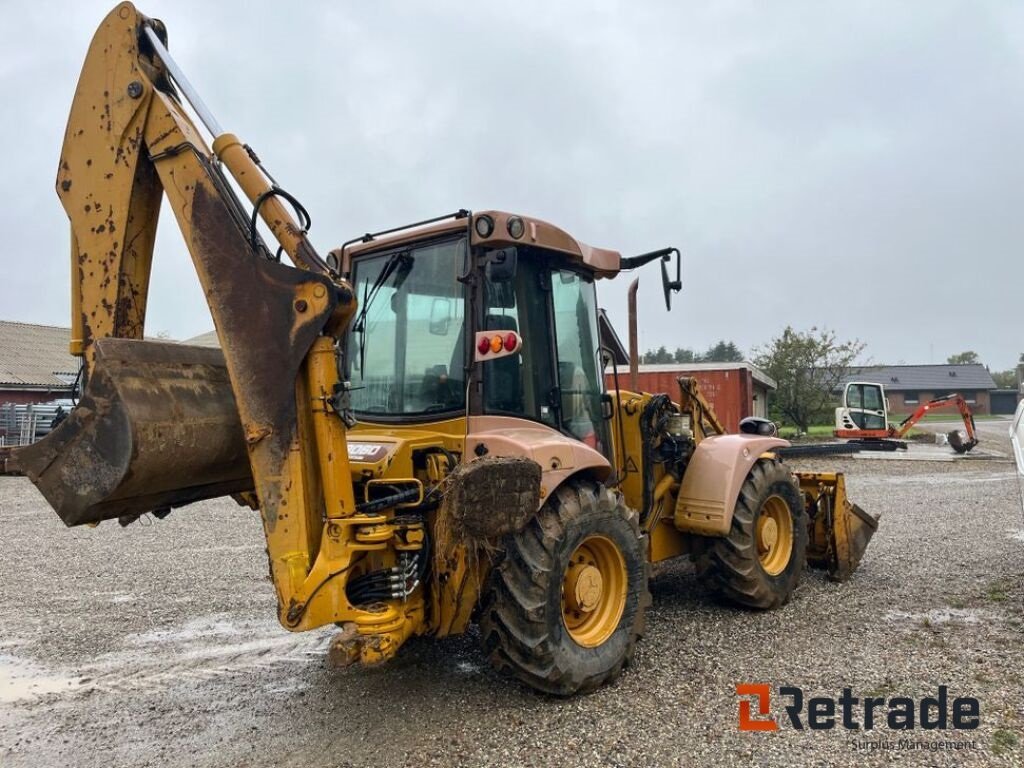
[511, 341]
[484, 346]
[497, 343]
[516, 228]
[484, 225]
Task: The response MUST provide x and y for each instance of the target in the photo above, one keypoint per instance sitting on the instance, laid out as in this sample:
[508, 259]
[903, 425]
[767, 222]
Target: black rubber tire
[521, 626]
[729, 566]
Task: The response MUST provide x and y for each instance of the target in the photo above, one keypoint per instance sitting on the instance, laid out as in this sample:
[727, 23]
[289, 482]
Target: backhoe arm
[948, 401]
[158, 426]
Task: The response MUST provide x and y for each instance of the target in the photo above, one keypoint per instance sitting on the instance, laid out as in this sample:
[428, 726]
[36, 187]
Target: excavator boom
[960, 445]
[161, 425]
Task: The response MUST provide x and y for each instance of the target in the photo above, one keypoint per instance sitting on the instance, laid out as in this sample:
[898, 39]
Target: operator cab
[864, 407]
[426, 292]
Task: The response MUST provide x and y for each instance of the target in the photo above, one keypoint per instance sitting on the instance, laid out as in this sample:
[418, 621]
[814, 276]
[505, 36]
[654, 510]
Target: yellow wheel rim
[594, 591]
[774, 535]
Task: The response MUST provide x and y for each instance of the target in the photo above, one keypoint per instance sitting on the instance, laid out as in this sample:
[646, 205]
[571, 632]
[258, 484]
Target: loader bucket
[839, 531]
[156, 428]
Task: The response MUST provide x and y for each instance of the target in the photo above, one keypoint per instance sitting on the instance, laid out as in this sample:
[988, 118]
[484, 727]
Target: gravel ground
[156, 645]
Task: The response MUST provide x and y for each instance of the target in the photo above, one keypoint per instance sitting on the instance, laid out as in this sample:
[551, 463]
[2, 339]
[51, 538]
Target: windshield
[406, 349]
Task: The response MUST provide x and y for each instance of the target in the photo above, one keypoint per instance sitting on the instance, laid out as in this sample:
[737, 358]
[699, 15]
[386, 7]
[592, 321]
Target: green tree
[723, 352]
[684, 355]
[661, 355]
[963, 358]
[807, 367]
[1005, 379]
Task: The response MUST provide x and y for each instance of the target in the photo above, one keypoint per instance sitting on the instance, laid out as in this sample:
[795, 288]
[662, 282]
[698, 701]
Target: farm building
[35, 365]
[908, 386]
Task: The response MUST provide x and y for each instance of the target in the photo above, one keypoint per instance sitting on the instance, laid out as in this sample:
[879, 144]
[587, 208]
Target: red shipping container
[735, 390]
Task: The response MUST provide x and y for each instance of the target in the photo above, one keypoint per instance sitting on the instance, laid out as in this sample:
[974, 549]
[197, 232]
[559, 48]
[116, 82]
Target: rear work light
[490, 345]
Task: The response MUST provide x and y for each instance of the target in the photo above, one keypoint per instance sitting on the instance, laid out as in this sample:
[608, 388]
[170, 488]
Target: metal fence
[24, 424]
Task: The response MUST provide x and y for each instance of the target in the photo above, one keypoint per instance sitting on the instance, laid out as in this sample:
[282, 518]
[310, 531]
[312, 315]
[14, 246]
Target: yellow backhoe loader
[419, 417]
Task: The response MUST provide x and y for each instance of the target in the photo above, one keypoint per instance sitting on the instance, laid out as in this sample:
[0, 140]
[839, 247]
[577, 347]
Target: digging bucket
[156, 428]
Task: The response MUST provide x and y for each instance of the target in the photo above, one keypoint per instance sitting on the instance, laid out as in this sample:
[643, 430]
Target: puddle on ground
[203, 648]
[21, 680]
[943, 616]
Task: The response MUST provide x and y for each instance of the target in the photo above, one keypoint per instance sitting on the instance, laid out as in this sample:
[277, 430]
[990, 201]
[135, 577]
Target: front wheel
[759, 563]
[565, 607]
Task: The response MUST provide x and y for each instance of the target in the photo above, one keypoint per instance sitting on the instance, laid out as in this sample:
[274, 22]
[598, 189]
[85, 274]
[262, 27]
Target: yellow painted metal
[774, 535]
[594, 589]
[240, 162]
[703, 420]
[109, 189]
[626, 442]
[128, 142]
[335, 471]
[839, 530]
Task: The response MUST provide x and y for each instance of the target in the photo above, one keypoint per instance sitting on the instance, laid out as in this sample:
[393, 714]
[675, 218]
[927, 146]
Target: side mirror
[671, 286]
[501, 265]
[440, 316]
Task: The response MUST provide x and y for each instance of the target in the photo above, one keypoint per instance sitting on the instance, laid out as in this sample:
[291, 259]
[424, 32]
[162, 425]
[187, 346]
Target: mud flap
[839, 530]
[157, 427]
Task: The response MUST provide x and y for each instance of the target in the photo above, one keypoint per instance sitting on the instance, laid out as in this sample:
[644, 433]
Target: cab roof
[600, 261]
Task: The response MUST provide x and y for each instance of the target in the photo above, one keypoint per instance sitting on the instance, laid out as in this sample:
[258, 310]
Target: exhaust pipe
[634, 343]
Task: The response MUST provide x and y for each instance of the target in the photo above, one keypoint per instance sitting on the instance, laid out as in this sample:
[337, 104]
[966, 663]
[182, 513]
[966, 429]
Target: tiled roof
[33, 356]
[927, 378]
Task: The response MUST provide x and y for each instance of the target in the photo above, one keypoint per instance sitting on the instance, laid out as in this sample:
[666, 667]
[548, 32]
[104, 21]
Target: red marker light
[510, 342]
[484, 346]
[496, 343]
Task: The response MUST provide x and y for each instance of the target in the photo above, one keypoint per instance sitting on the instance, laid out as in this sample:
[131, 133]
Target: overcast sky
[853, 165]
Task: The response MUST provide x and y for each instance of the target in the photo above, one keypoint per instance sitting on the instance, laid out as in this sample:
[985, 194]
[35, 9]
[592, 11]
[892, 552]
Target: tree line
[722, 352]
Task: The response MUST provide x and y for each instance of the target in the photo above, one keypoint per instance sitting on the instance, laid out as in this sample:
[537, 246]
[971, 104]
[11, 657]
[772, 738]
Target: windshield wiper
[399, 262]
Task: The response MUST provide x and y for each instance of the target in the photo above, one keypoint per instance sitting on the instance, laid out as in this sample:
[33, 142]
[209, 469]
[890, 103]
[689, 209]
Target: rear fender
[560, 456]
[714, 478]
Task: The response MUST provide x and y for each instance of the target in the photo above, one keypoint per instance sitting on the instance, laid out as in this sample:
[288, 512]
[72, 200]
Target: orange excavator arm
[959, 445]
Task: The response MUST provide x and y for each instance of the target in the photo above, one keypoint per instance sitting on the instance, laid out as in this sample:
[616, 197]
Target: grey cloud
[854, 165]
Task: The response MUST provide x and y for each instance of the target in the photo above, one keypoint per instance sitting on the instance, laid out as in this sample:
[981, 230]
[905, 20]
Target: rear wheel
[565, 607]
[759, 563]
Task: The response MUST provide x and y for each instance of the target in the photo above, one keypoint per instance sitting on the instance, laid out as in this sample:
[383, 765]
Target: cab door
[865, 404]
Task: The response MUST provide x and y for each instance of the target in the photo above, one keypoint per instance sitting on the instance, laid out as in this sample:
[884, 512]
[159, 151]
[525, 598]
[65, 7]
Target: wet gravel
[156, 645]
